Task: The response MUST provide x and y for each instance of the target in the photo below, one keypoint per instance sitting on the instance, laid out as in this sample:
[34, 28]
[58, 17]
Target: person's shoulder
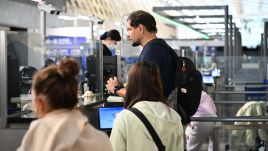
[123, 118]
[37, 124]
[156, 45]
[95, 138]
[126, 116]
[97, 133]
[123, 114]
[157, 42]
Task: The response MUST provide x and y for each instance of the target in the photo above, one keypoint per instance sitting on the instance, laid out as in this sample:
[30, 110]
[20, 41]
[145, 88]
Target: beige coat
[253, 108]
[64, 130]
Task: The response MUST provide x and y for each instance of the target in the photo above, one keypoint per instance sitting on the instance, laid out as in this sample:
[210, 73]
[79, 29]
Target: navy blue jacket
[157, 52]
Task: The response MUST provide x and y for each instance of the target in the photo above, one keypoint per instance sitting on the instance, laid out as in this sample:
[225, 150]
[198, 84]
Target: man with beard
[141, 28]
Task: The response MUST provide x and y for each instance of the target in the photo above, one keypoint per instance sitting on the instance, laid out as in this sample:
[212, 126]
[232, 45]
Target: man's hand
[111, 83]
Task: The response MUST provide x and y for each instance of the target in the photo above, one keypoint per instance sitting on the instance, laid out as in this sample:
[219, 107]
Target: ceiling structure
[248, 15]
[108, 9]
[209, 20]
[244, 12]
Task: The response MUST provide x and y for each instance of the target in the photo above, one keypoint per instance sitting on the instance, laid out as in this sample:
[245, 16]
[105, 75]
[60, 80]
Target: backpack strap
[175, 58]
[150, 128]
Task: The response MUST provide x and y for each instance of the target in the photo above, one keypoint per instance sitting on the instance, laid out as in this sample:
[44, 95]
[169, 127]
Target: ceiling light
[65, 17]
[83, 17]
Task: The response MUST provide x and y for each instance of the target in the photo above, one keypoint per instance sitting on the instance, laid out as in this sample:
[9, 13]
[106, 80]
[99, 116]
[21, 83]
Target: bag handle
[150, 128]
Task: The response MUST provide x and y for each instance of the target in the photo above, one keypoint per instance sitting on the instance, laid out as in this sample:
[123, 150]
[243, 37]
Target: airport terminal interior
[225, 39]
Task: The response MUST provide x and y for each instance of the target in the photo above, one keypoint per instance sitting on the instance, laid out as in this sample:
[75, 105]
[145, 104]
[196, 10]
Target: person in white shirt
[144, 92]
[60, 127]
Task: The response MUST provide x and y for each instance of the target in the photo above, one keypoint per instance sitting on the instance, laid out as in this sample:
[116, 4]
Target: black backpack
[188, 82]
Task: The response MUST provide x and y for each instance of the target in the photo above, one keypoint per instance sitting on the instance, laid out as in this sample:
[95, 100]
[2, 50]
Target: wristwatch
[117, 87]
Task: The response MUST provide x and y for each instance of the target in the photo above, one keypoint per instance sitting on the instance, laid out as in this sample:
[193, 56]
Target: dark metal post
[239, 44]
[226, 45]
[216, 138]
[262, 58]
[231, 36]
[234, 48]
[265, 39]
[235, 41]
[262, 47]
[265, 48]
[230, 50]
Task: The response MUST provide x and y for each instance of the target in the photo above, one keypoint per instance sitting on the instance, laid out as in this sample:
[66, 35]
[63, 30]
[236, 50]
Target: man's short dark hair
[141, 17]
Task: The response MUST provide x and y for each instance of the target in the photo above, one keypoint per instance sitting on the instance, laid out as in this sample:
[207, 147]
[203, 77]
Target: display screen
[216, 72]
[208, 79]
[107, 116]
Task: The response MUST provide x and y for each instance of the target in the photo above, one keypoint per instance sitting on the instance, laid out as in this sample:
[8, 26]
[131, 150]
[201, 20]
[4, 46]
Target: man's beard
[135, 44]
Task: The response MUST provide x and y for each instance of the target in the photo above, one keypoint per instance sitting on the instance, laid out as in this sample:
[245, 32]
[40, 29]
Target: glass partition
[28, 52]
[129, 56]
[24, 58]
[3, 79]
[236, 74]
[246, 81]
[23, 54]
[247, 136]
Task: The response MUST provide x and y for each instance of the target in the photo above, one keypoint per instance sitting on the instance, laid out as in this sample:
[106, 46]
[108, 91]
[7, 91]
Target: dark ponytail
[112, 34]
[104, 36]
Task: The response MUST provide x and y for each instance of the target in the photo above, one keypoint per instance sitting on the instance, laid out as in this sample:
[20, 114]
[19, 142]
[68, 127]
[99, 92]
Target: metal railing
[217, 128]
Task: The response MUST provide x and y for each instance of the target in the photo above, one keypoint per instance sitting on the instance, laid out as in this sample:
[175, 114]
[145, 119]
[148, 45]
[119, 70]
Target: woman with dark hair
[144, 92]
[59, 125]
[109, 40]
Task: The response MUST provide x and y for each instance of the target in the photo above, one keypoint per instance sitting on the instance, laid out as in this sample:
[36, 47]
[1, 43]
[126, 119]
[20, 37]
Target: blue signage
[64, 46]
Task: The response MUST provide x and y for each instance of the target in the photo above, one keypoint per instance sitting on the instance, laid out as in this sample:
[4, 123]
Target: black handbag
[150, 128]
[185, 118]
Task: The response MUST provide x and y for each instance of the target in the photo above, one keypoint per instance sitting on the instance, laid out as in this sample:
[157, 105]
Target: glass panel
[3, 80]
[28, 53]
[129, 56]
[24, 57]
[237, 138]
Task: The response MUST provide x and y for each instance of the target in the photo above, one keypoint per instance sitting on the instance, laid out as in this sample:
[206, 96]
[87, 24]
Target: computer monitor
[208, 79]
[13, 83]
[107, 116]
[216, 72]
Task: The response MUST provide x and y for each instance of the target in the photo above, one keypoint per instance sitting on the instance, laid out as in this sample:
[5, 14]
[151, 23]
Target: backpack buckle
[183, 68]
[183, 90]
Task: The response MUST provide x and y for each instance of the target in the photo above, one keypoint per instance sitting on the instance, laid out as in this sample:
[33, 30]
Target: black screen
[109, 67]
[13, 82]
[109, 70]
